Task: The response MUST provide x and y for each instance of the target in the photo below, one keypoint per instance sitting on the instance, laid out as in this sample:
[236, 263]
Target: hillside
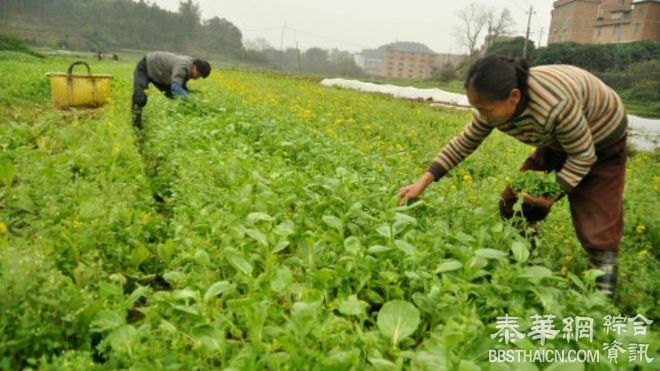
[100, 25]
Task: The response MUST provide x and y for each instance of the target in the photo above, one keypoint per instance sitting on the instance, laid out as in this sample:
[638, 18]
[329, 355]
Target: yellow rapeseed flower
[3, 228]
[640, 229]
[643, 253]
[467, 178]
[41, 143]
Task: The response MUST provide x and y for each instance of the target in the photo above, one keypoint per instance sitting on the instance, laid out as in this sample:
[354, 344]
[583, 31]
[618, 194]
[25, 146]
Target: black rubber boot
[137, 117]
[606, 262]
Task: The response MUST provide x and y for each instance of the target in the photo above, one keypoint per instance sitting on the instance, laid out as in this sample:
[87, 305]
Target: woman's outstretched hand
[413, 191]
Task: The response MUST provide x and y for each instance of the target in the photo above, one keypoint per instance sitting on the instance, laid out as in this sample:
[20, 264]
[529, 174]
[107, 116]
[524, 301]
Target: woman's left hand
[538, 201]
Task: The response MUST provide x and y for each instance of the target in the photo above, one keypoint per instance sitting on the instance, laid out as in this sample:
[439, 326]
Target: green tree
[224, 36]
[191, 16]
[445, 73]
[315, 60]
[598, 57]
[512, 48]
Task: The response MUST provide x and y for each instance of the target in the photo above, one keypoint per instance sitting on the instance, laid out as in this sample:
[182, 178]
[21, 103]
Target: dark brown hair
[203, 67]
[494, 77]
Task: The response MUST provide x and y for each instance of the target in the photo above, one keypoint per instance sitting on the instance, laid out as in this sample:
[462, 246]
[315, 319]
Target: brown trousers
[596, 203]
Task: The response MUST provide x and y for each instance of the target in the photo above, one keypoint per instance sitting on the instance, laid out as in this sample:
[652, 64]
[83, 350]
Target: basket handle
[70, 70]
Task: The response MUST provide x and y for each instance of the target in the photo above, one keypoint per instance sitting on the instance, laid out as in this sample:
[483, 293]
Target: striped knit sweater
[568, 109]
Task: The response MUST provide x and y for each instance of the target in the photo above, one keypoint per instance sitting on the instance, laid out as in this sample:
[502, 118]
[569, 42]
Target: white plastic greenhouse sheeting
[644, 133]
[407, 92]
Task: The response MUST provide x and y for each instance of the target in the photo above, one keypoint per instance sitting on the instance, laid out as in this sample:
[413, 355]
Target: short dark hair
[203, 67]
[495, 76]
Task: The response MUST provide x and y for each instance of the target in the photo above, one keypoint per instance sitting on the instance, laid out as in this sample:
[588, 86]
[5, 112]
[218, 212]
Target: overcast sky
[357, 24]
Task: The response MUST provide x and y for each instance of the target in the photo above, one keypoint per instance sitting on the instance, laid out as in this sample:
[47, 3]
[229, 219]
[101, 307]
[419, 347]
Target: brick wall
[572, 20]
[604, 21]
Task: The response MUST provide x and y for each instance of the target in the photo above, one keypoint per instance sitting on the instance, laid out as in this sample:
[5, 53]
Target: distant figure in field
[99, 56]
[169, 73]
[115, 57]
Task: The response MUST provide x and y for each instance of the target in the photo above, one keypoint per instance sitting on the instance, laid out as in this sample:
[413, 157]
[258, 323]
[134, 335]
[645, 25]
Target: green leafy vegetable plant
[536, 183]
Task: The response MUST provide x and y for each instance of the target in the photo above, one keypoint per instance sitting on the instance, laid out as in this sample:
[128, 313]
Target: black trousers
[141, 82]
[596, 202]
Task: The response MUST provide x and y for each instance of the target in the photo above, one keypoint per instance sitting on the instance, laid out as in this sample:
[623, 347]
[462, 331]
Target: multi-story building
[604, 21]
[399, 64]
[627, 22]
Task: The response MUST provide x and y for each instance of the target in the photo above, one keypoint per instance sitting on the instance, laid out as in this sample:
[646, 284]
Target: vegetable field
[255, 226]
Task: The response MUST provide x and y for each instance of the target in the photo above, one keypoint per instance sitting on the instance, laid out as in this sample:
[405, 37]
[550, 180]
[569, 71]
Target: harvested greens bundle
[536, 183]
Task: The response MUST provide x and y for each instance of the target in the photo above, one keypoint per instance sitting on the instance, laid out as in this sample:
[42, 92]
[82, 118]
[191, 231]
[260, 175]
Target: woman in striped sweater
[578, 125]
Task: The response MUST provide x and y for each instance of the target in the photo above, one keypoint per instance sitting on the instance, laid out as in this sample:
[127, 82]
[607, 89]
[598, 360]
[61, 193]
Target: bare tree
[475, 20]
[497, 25]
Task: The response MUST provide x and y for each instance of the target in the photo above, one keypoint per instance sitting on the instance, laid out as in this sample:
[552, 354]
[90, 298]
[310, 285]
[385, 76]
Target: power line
[304, 32]
[518, 5]
[329, 38]
[261, 29]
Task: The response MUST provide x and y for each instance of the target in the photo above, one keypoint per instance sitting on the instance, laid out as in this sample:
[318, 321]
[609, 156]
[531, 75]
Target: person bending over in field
[169, 73]
[578, 125]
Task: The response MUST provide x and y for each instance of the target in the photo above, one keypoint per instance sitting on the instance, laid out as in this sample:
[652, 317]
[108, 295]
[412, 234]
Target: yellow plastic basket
[74, 90]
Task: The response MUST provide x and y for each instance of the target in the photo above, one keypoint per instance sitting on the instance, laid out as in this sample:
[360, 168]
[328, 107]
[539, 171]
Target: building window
[621, 2]
[616, 31]
[641, 10]
[637, 28]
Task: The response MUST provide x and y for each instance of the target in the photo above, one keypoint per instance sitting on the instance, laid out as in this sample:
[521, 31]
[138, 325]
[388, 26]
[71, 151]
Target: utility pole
[540, 37]
[281, 46]
[529, 22]
[298, 55]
